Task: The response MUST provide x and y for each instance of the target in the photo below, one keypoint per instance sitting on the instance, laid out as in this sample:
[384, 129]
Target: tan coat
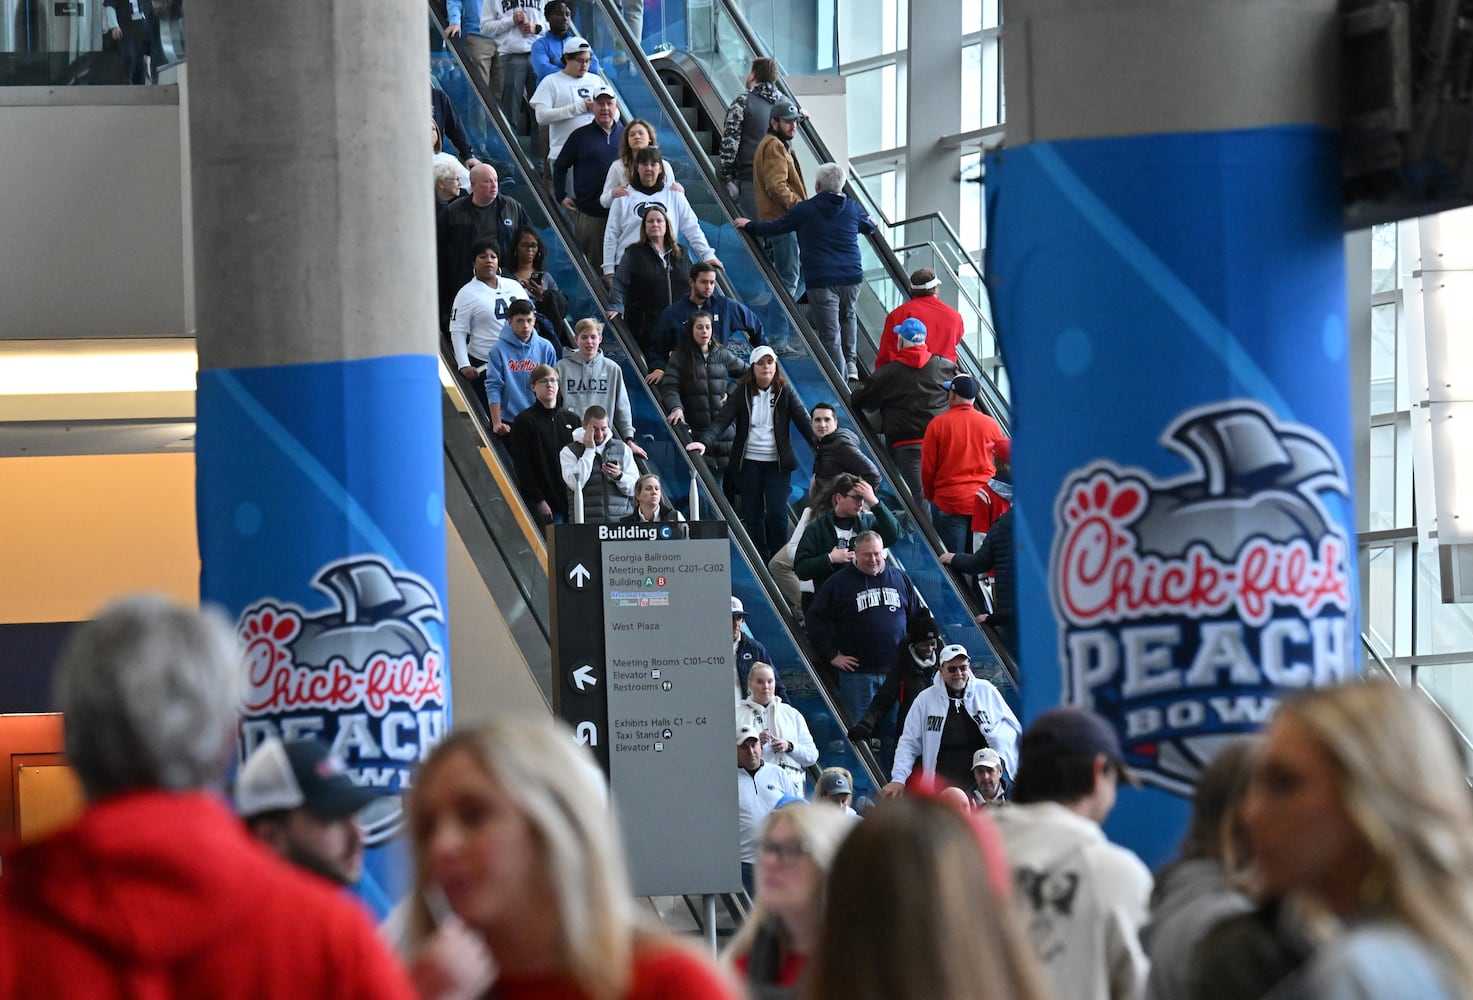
[776, 178]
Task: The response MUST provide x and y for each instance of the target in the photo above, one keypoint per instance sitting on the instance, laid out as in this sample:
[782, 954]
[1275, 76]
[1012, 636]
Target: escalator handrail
[681, 63]
[837, 381]
[755, 44]
[713, 489]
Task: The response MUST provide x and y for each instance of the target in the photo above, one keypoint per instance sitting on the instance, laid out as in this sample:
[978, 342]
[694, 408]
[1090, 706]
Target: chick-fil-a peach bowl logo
[1187, 606]
[366, 675]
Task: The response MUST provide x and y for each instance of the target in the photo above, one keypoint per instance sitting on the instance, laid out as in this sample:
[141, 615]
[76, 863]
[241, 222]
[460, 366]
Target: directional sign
[641, 651]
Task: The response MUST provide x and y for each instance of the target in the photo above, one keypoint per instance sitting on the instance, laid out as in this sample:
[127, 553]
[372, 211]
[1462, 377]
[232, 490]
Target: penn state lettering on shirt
[876, 597]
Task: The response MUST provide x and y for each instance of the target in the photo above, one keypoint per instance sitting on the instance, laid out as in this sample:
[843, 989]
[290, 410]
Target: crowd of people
[1316, 865]
[566, 421]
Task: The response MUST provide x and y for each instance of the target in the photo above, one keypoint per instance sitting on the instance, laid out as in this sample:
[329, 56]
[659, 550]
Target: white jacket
[622, 229]
[983, 704]
[1082, 899]
[757, 793]
[787, 724]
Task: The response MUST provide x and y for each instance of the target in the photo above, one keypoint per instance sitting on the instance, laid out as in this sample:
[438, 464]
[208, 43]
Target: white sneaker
[851, 371]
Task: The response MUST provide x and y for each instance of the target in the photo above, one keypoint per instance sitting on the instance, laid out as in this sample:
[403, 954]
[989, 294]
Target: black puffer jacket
[701, 393]
[644, 287]
[839, 452]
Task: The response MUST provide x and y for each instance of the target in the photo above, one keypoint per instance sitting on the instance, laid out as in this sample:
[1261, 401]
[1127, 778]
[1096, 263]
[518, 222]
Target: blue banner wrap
[321, 528]
[1172, 313]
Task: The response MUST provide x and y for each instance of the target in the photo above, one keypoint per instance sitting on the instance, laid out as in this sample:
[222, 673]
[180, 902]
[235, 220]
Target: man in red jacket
[158, 890]
[956, 462]
[944, 327]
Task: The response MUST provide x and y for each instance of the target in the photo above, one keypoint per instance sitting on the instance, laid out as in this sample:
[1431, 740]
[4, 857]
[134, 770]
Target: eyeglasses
[549, 380]
[856, 497]
[784, 850]
[585, 60]
[958, 670]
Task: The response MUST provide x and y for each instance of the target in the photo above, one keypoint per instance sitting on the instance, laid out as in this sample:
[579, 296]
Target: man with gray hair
[828, 227]
[158, 890]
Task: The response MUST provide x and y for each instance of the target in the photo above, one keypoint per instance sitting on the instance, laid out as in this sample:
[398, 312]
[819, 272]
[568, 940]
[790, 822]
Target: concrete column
[319, 445]
[1166, 265]
[933, 95]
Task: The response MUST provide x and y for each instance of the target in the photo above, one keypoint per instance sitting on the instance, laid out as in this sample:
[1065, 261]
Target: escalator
[751, 279]
[703, 84]
[768, 618]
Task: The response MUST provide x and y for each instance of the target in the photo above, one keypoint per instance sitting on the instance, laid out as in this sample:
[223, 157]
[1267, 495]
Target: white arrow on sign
[587, 734]
[579, 575]
[583, 677]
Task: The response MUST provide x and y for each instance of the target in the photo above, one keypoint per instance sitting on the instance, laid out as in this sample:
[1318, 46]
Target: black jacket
[748, 652]
[907, 397]
[649, 283]
[464, 224]
[996, 554]
[738, 411]
[839, 452]
[701, 397]
[904, 683]
[537, 435]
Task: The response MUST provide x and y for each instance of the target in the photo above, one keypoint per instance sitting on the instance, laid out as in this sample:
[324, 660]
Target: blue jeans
[832, 312]
[955, 529]
[856, 691]
[783, 251]
[763, 487]
[516, 72]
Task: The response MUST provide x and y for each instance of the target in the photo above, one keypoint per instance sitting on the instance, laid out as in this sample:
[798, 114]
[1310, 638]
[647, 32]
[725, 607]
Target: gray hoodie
[595, 383]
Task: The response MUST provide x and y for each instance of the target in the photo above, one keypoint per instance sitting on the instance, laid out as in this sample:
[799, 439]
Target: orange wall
[78, 531]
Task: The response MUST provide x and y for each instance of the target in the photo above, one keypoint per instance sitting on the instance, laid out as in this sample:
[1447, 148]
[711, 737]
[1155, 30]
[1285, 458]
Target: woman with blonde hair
[917, 909]
[798, 844]
[1359, 808]
[512, 832]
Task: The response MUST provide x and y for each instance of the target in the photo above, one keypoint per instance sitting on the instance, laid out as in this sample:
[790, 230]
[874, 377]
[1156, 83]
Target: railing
[726, 65]
[768, 617]
[1379, 667]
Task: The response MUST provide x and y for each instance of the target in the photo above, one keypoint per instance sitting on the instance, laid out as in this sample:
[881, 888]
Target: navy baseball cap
[1073, 732]
[299, 774]
[963, 385]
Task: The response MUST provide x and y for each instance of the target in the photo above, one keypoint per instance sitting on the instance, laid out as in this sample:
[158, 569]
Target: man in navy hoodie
[859, 616]
[727, 316]
[828, 227]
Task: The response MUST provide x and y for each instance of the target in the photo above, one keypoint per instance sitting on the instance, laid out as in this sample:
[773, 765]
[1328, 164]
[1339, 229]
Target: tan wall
[78, 531]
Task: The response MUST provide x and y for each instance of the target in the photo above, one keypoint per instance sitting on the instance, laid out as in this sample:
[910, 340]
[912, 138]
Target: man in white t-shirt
[1083, 899]
[563, 101]
[479, 313]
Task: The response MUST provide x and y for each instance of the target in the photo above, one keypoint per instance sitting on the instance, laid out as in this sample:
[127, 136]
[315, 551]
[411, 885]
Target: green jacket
[812, 559]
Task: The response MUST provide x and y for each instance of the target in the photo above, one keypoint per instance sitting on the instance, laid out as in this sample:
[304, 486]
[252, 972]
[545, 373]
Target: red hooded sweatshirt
[158, 895]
